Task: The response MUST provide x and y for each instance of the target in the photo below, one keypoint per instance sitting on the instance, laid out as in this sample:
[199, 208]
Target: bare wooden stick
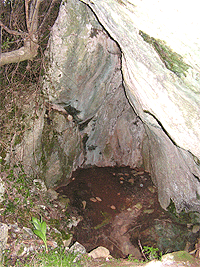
[140, 246]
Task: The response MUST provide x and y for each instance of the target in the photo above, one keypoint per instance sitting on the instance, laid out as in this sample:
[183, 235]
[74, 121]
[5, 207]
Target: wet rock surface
[119, 209]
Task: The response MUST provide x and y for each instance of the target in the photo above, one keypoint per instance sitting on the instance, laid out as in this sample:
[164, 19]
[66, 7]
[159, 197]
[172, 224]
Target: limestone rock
[132, 99]
[100, 252]
[3, 239]
[160, 65]
[151, 86]
[86, 82]
[78, 249]
[2, 190]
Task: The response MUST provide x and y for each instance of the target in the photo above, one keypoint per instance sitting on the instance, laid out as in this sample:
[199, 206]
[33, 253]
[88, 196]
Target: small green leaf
[43, 227]
[36, 223]
[39, 234]
[40, 230]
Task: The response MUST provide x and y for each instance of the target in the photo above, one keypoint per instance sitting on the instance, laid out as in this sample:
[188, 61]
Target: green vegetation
[152, 253]
[172, 60]
[182, 217]
[23, 200]
[40, 230]
[55, 258]
[149, 254]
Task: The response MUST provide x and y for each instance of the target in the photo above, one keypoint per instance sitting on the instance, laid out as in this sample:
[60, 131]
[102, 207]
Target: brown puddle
[120, 210]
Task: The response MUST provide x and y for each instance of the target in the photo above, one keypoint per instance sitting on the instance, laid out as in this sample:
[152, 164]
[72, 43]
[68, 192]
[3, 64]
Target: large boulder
[160, 64]
[121, 88]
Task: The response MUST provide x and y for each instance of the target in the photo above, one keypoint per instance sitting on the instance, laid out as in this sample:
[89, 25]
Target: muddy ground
[119, 209]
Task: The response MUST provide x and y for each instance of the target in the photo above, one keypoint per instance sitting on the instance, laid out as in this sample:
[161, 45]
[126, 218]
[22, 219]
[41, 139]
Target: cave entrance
[119, 209]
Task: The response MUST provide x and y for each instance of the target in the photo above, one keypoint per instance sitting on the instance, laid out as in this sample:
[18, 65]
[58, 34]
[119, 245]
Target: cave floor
[119, 209]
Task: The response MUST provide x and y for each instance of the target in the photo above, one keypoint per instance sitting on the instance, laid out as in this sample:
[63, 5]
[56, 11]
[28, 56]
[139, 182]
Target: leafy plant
[57, 257]
[40, 230]
[152, 253]
[132, 259]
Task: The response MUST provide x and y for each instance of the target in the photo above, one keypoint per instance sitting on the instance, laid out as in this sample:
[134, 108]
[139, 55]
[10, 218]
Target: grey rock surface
[119, 91]
[3, 239]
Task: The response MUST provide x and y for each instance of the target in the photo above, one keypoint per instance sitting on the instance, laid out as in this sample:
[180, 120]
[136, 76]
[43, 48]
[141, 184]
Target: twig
[140, 246]
[11, 31]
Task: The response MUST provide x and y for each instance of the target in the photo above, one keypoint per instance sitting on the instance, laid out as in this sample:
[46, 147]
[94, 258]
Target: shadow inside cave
[119, 210]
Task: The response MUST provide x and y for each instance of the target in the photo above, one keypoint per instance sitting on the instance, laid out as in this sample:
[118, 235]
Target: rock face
[127, 95]
[87, 119]
[160, 64]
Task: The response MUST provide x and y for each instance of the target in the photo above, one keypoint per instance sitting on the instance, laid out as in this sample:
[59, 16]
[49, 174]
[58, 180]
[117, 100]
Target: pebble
[138, 206]
[69, 117]
[93, 199]
[195, 229]
[113, 207]
[98, 199]
[84, 204]
[99, 252]
[131, 180]
[151, 189]
[148, 211]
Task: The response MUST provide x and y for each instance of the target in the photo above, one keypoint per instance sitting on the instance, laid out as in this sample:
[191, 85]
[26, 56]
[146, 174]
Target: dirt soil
[117, 207]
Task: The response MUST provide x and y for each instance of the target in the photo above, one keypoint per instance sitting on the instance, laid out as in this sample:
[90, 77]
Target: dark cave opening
[118, 208]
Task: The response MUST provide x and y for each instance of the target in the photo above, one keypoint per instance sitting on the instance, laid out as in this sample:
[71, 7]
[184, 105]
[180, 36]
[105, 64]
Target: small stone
[69, 117]
[131, 180]
[121, 182]
[151, 189]
[141, 185]
[93, 199]
[195, 229]
[98, 199]
[127, 174]
[78, 249]
[113, 207]
[68, 241]
[100, 252]
[84, 204]
[149, 211]
[138, 206]
[121, 178]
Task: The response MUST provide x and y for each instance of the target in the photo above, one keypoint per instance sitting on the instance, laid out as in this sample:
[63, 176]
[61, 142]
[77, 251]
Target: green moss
[107, 150]
[172, 60]
[183, 256]
[107, 218]
[182, 217]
